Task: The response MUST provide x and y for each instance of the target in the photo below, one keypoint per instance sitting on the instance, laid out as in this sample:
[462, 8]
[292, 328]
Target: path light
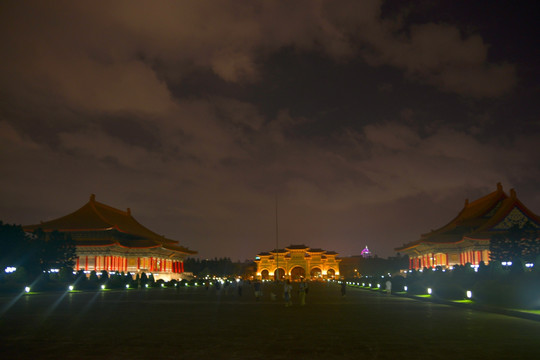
[378, 285]
[429, 291]
[27, 289]
[71, 288]
[146, 285]
[469, 294]
[127, 286]
[102, 287]
[405, 288]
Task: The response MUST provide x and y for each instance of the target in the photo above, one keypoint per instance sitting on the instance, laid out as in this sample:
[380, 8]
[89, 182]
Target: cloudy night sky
[370, 121]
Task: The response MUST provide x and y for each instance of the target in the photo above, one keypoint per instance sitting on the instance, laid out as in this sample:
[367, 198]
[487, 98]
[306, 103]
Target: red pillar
[138, 263]
[86, 263]
[77, 265]
[151, 264]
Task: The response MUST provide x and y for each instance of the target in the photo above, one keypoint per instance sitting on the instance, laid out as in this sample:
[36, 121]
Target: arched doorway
[298, 273]
[331, 273]
[280, 273]
[316, 273]
[264, 275]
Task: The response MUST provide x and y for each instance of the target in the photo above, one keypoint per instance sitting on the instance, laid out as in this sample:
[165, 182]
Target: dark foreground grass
[194, 323]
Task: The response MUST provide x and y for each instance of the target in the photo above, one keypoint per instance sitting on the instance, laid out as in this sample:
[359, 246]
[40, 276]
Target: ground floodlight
[127, 286]
[405, 288]
[378, 285]
[162, 285]
[145, 285]
[469, 294]
[27, 289]
[71, 287]
[102, 287]
[429, 291]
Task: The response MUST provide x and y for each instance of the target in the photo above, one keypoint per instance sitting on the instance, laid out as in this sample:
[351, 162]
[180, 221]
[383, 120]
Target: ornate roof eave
[95, 210]
[472, 210]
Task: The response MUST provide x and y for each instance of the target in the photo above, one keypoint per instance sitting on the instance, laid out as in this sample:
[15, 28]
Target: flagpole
[277, 243]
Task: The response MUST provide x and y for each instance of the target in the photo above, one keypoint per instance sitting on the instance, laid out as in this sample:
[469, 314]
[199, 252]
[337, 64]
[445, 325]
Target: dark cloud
[370, 125]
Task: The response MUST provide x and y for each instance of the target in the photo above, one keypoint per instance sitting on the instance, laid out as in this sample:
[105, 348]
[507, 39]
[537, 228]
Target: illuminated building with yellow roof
[466, 238]
[297, 261]
[111, 239]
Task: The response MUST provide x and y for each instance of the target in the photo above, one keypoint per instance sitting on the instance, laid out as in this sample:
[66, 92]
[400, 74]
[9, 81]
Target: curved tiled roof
[98, 217]
[476, 220]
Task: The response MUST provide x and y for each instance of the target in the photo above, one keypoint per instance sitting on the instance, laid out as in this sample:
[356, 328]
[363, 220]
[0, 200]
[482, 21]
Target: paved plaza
[195, 323]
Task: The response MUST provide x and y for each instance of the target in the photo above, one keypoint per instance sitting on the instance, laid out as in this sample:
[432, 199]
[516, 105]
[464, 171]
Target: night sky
[370, 121]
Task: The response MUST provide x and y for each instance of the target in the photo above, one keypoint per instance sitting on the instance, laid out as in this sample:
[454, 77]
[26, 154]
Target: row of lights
[103, 287]
[430, 291]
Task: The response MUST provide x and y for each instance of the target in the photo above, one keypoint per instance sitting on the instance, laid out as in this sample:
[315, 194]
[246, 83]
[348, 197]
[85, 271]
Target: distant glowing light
[127, 286]
[429, 291]
[145, 285]
[10, 269]
[469, 294]
[102, 287]
[529, 265]
[27, 289]
[405, 288]
[71, 288]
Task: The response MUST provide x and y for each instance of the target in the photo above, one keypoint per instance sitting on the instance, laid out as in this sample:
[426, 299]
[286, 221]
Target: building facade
[111, 239]
[297, 261]
[466, 238]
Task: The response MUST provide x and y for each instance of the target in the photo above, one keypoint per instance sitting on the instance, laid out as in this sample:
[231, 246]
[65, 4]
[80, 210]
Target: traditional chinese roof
[297, 247]
[105, 226]
[480, 220]
[280, 251]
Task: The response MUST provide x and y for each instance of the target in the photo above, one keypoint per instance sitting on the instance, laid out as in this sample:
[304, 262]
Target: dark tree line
[351, 267]
[34, 252]
[218, 267]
